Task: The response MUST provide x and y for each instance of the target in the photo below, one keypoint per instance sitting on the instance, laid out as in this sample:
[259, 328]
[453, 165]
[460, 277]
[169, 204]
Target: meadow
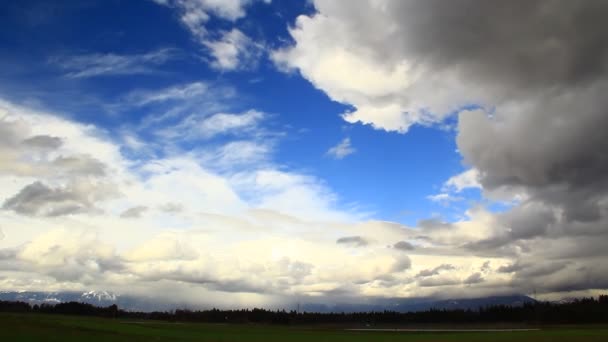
[41, 327]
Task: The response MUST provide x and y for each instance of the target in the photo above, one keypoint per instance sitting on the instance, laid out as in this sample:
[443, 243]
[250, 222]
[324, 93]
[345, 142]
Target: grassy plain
[33, 327]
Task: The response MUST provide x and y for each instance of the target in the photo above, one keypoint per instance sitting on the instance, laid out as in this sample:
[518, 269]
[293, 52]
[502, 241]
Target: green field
[31, 327]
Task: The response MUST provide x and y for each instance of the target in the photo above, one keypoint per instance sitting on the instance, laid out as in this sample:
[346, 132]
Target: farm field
[34, 327]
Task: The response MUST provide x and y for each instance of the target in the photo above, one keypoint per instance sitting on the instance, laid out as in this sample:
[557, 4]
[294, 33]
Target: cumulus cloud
[343, 149]
[398, 65]
[529, 103]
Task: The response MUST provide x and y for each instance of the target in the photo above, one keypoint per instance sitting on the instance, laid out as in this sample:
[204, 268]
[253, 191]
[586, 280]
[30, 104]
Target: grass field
[30, 327]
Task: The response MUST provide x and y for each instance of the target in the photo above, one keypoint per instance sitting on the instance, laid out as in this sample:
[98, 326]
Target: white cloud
[466, 180]
[197, 126]
[234, 50]
[343, 149]
[366, 56]
[110, 64]
[444, 198]
[173, 93]
[237, 153]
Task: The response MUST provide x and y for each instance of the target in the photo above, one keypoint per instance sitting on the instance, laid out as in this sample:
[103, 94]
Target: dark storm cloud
[356, 241]
[516, 45]
[554, 149]
[545, 141]
[525, 221]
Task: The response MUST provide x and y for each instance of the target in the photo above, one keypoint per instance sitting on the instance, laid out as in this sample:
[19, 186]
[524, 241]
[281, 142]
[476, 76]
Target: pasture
[37, 327]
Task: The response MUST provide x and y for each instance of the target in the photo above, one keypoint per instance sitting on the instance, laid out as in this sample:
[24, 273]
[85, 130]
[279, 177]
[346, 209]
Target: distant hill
[104, 298]
[420, 304]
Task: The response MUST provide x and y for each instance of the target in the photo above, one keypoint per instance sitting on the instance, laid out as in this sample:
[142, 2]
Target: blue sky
[242, 152]
[394, 172]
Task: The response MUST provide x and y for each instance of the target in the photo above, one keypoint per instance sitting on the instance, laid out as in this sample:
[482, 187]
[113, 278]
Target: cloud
[230, 50]
[465, 180]
[174, 93]
[436, 270]
[444, 198]
[266, 232]
[438, 282]
[238, 153]
[510, 268]
[198, 226]
[404, 246]
[170, 105]
[398, 65]
[456, 184]
[134, 212]
[194, 13]
[341, 150]
[94, 65]
[234, 50]
[474, 278]
[514, 91]
[39, 199]
[355, 241]
[198, 126]
[43, 142]
[401, 264]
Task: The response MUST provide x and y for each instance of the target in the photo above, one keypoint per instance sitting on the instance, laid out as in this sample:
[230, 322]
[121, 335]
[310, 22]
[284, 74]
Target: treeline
[586, 310]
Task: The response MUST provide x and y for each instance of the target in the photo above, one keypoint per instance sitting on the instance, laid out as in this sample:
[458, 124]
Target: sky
[241, 153]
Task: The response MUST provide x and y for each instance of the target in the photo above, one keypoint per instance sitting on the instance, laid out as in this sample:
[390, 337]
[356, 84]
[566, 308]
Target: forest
[578, 311]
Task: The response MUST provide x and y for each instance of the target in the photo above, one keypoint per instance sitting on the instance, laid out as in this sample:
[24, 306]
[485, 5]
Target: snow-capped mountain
[100, 296]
